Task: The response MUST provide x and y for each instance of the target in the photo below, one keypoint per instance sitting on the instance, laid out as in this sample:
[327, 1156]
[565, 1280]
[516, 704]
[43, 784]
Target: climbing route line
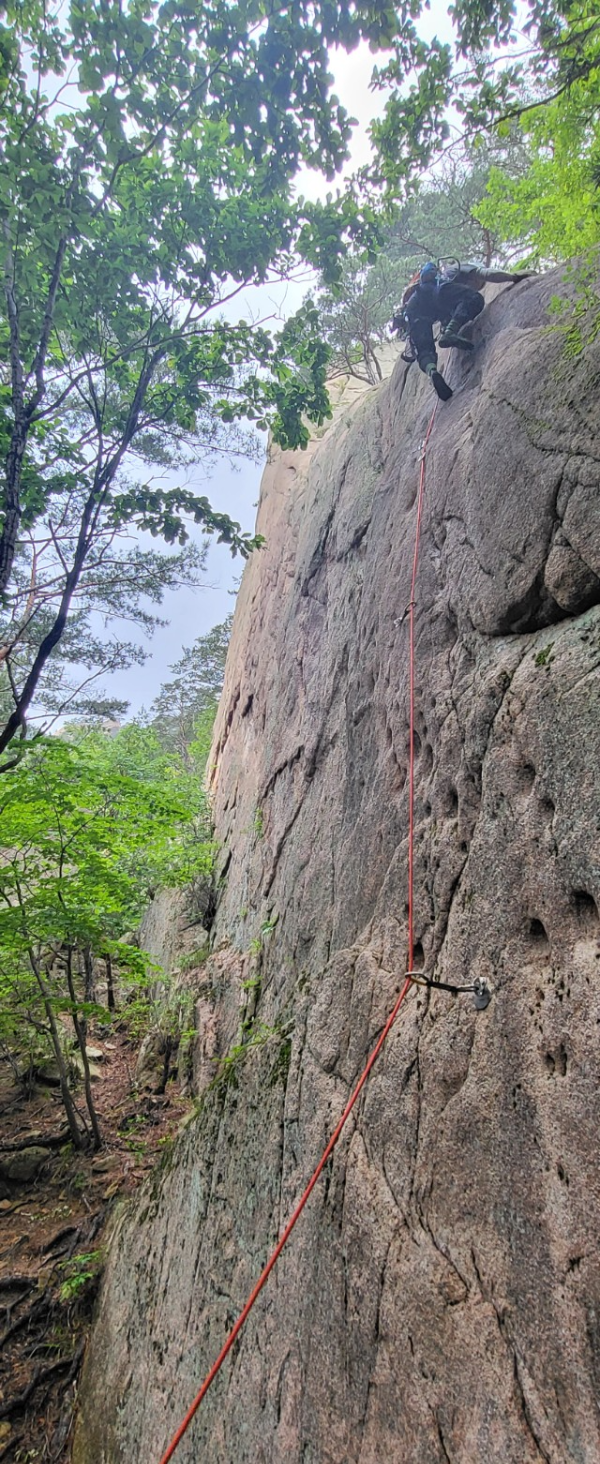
[411, 692]
[408, 981]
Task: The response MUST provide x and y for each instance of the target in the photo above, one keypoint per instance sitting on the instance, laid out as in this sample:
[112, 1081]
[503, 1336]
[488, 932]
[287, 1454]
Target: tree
[193, 691]
[146, 177]
[443, 219]
[88, 832]
[440, 219]
[506, 61]
[551, 211]
[118, 587]
[355, 315]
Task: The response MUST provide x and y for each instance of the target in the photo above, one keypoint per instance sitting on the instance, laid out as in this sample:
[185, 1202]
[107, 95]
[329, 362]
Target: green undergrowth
[577, 319]
[81, 1275]
[544, 657]
[259, 1035]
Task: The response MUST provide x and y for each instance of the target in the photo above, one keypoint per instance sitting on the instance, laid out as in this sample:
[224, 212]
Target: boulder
[94, 1069]
[23, 1166]
[149, 1068]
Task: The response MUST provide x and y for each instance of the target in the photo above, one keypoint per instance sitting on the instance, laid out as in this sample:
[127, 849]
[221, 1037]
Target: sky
[192, 612]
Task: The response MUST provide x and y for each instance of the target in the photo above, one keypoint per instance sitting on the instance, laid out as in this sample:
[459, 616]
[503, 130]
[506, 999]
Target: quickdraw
[478, 988]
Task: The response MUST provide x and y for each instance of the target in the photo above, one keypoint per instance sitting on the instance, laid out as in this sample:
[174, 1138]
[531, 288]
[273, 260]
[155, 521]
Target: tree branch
[40, 358]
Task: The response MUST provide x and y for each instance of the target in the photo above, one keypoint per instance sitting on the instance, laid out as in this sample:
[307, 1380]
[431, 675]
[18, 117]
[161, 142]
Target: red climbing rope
[237, 1327]
[287, 1232]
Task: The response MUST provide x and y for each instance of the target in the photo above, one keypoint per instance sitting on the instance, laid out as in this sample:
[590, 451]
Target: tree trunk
[169, 1044]
[110, 987]
[69, 1107]
[103, 481]
[89, 984]
[12, 504]
[89, 976]
[23, 413]
[80, 1034]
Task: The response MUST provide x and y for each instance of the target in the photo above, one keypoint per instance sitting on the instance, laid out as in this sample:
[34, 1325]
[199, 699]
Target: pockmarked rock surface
[439, 1301]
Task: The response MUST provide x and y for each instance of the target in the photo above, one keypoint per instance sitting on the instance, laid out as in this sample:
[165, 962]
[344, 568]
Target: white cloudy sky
[235, 491]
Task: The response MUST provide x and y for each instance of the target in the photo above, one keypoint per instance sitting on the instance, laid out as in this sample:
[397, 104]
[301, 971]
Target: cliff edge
[439, 1301]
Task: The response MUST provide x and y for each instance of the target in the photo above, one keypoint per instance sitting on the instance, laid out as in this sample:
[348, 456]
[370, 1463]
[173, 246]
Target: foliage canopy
[183, 713]
[146, 176]
[506, 60]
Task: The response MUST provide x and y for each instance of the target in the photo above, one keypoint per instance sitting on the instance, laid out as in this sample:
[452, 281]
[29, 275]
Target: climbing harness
[479, 989]
[446, 263]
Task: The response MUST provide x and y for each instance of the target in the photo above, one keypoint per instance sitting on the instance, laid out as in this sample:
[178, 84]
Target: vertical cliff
[440, 1298]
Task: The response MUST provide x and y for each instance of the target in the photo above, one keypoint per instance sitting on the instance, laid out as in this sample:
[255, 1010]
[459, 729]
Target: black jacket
[425, 304]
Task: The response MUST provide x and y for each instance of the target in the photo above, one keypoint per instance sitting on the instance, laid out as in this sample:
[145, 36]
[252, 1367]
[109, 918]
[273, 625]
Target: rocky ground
[55, 1205]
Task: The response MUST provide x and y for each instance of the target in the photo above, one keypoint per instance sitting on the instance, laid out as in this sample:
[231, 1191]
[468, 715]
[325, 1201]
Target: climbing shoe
[440, 386]
[452, 338]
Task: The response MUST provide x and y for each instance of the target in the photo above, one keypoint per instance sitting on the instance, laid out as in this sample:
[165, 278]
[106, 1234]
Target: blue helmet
[428, 275]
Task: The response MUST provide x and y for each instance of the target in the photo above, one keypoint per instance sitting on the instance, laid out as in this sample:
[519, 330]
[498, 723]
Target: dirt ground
[51, 1236]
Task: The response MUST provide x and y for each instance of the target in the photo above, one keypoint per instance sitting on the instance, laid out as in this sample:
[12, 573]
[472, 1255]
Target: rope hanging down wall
[478, 988]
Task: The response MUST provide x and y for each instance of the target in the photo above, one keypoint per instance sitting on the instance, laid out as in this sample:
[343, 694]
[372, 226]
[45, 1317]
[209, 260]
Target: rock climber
[451, 296]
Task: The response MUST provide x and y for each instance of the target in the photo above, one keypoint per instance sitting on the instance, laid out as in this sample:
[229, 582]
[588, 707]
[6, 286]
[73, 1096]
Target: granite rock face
[439, 1301]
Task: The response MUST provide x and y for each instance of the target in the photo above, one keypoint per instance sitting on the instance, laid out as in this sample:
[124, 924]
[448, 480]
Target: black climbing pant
[456, 304]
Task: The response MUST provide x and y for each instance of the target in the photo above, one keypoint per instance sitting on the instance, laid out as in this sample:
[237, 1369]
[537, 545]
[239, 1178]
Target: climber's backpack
[410, 289]
[400, 322]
